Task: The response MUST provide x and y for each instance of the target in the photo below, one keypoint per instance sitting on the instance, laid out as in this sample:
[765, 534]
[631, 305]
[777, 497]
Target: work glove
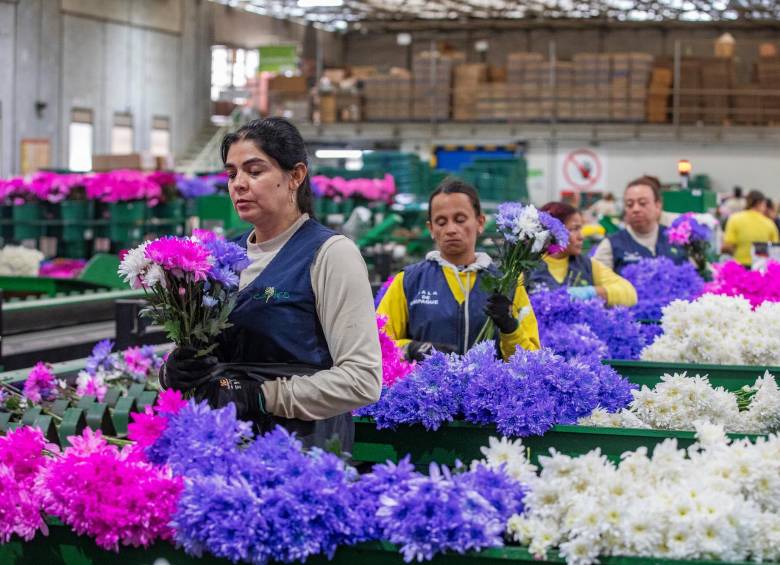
[582, 292]
[499, 308]
[419, 350]
[182, 369]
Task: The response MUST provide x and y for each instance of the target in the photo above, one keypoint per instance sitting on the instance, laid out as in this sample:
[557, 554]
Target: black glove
[183, 369]
[499, 308]
[419, 350]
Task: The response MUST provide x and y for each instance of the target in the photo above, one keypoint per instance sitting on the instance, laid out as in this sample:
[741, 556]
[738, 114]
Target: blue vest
[275, 321]
[275, 318]
[626, 251]
[580, 273]
[434, 314]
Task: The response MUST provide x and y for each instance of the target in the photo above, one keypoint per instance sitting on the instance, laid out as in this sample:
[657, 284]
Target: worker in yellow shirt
[439, 303]
[583, 277]
[750, 226]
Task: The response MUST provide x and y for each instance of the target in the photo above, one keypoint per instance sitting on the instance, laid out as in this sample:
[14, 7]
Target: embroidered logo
[632, 257]
[426, 297]
[271, 293]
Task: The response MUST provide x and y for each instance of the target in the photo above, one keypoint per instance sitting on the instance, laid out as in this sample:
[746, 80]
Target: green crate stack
[498, 180]
[411, 174]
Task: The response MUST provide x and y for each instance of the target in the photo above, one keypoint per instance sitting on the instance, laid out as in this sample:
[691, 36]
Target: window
[80, 140]
[161, 137]
[122, 134]
[230, 68]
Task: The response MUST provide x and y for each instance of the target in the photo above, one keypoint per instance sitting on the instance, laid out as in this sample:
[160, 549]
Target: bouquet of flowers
[658, 281]
[716, 329]
[528, 235]
[732, 279]
[191, 284]
[694, 237]
[18, 261]
[679, 401]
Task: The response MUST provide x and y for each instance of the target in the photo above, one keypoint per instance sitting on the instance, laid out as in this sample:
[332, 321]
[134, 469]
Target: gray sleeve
[603, 254]
[345, 307]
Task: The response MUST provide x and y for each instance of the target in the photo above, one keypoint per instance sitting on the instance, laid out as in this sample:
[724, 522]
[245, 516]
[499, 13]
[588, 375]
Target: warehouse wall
[145, 57]
[238, 28]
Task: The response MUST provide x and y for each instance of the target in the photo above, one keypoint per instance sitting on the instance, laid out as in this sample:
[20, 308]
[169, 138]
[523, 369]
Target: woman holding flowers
[439, 302]
[305, 300]
[583, 277]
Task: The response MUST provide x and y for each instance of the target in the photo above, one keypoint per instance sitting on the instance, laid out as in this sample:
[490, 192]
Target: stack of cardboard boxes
[468, 81]
[526, 74]
[592, 84]
[388, 96]
[659, 93]
[690, 90]
[718, 75]
[564, 90]
[768, 76]
[289, 97]
[432, 84]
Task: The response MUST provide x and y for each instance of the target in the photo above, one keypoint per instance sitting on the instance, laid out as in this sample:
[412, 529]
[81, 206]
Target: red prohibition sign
[590, 176]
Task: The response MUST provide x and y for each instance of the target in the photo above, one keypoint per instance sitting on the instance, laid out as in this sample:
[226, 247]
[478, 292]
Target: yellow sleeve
[730, 233]
[527, 333]
[620, 292]
[396, 309]
[775, 237]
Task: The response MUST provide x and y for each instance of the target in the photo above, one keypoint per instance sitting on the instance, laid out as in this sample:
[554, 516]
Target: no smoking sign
[582, 170]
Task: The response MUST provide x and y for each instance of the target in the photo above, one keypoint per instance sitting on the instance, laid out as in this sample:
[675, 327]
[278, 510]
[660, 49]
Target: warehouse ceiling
[343, 14]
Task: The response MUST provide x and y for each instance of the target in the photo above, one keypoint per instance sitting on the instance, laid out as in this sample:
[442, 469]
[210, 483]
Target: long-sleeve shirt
[395, 306]
[745, 228]
[620, 292]
[345, 308]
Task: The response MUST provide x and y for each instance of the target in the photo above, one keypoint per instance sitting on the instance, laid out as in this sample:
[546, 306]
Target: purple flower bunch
[686, 230]
[442, 511]
[41, 384]
[195, 187]
[529, 394]
[135, 363]
[255, 499]
[616, 326]
[658, 282]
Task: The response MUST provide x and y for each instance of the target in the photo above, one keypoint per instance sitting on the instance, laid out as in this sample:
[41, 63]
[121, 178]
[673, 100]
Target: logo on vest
[270, 293]
[426, 297]
[632, 257]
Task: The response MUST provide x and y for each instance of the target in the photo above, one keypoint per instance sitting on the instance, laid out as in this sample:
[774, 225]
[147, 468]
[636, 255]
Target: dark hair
[769, 203]
[279, 139]
[754, 198]
[560, 210]
[737, 192]
[453, 185]
[648, 180]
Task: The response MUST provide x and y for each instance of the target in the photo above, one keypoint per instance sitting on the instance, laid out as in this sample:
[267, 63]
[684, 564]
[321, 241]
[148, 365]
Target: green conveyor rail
[381, 232]
[80, 299]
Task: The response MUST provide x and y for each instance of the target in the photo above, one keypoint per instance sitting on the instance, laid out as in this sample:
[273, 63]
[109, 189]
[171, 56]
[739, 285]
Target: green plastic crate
[217, 211]
[730, 377]
[694, 200]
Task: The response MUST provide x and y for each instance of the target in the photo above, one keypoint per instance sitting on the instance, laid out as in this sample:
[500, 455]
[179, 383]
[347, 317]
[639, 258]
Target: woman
[750, 226]
[305, 300]
[439, 302]
[584, 278]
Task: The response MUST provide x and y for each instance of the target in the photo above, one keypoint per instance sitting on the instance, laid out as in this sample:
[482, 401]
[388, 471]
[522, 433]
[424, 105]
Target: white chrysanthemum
[19, 261]
[134, 266]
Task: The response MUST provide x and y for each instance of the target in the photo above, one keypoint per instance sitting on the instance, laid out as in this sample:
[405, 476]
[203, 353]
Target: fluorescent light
[320, 3]
[338, 154]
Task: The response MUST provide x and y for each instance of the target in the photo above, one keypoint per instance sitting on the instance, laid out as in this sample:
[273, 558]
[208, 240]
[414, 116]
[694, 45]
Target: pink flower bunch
[91, 385]
[62, 268]
[114, 496]
[394, 367]
[136, 361]
[370, 189]
[732, 279]
[21, 460]
[53, 187]
[679, 235]
[41, 384]
[163, 178]
[180, 255]
[146, 428]
[123, 186]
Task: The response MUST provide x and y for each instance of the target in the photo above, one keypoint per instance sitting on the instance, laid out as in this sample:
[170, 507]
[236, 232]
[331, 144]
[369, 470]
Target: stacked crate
[564, 90]
[468, 80]
[639, 79]
[527, 73]
[768, 76]
[717, 74]
[619, 78]
[658, 95]
[747, 105]
[493, 102]
[432, 72]
[387, 97]
[592, 85]
[690, 87]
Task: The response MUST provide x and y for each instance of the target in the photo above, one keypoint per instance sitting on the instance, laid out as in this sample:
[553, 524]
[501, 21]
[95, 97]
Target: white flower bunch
[678, 402]
[714, 500]
[509, 455]
[18, 261]
[718, 329]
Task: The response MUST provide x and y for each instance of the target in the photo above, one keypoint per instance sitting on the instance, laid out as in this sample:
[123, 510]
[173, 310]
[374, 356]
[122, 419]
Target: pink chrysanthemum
[136, 362]
[91, 385]
[394, 367]
[109, 494]
[41, 384]
[180, 255]
[147, 427]
[732, 279]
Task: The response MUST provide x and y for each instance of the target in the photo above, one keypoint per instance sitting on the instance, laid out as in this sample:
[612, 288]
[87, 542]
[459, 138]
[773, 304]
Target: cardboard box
[287, 85]
[135, 161]
[328, 112]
